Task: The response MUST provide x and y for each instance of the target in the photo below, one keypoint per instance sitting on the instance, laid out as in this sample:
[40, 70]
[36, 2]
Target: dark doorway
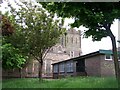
[80, 66]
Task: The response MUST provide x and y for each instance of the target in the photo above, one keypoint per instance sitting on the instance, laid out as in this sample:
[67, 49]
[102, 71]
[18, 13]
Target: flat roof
[100, 52]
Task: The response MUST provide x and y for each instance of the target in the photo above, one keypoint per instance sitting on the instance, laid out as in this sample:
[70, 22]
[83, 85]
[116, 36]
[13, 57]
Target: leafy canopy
[11, 57]
[35, 30]
[94, 16]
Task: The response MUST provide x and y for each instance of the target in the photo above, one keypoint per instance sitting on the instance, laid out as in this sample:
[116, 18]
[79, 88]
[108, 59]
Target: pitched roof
[57, 56]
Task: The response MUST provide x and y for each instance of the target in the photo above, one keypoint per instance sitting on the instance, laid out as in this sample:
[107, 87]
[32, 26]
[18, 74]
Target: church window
[72, 39]
[71, 53]
[76, 40]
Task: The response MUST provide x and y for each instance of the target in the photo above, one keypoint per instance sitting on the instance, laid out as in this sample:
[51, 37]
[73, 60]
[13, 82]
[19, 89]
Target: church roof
[57, 57]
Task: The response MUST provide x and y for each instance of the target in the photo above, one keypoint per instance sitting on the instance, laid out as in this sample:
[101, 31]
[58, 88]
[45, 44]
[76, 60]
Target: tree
[97, 17]
[11, 57]
[35, 32]
[7, 28]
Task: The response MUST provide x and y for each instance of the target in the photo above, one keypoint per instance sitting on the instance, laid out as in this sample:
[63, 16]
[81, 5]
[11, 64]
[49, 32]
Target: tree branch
[107, 26]
[35, 57]
[45, 52]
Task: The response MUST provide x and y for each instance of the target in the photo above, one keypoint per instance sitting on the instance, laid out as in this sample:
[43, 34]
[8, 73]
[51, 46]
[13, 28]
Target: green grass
[70, 82]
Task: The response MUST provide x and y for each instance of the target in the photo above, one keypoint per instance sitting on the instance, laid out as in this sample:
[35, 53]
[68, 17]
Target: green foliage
[35, 32]
[11, 57]
[94, 16]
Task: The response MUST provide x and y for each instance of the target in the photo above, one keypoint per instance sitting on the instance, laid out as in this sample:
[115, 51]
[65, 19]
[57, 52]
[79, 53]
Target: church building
[69, 46]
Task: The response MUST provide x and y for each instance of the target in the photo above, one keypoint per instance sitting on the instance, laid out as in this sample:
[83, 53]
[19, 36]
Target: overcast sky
[87, 44]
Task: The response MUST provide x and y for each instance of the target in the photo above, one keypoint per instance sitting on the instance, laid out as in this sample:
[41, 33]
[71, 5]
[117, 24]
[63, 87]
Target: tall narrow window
[55, 68]
[61, 69]
[69, 66]
[76, 40]
[71, 39]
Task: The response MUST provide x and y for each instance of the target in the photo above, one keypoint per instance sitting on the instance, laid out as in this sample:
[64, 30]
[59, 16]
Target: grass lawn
[69, 82]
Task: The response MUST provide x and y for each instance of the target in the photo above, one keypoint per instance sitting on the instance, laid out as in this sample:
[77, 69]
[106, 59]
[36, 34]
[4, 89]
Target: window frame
[55, 68]
[69, 66]
[107, 58]
[61, 67]
[72, 54]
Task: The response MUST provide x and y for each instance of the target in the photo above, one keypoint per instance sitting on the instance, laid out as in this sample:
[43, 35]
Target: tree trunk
[20, 71]
[40, 67]
[40, 71]
[115, 58]
[115, 54]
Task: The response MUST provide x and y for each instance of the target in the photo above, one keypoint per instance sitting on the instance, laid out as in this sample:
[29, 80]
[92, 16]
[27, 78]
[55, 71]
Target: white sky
[87, 44]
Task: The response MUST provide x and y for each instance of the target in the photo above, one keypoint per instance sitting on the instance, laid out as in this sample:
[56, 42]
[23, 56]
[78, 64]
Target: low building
[98, 63]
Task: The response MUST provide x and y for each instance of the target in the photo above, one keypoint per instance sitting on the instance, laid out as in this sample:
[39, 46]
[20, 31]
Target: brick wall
[92, 66]
[31, 70]
[107, 67]
[98, 66]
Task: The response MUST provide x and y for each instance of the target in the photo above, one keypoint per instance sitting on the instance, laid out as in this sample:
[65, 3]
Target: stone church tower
[68, 47]
[71, 42]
